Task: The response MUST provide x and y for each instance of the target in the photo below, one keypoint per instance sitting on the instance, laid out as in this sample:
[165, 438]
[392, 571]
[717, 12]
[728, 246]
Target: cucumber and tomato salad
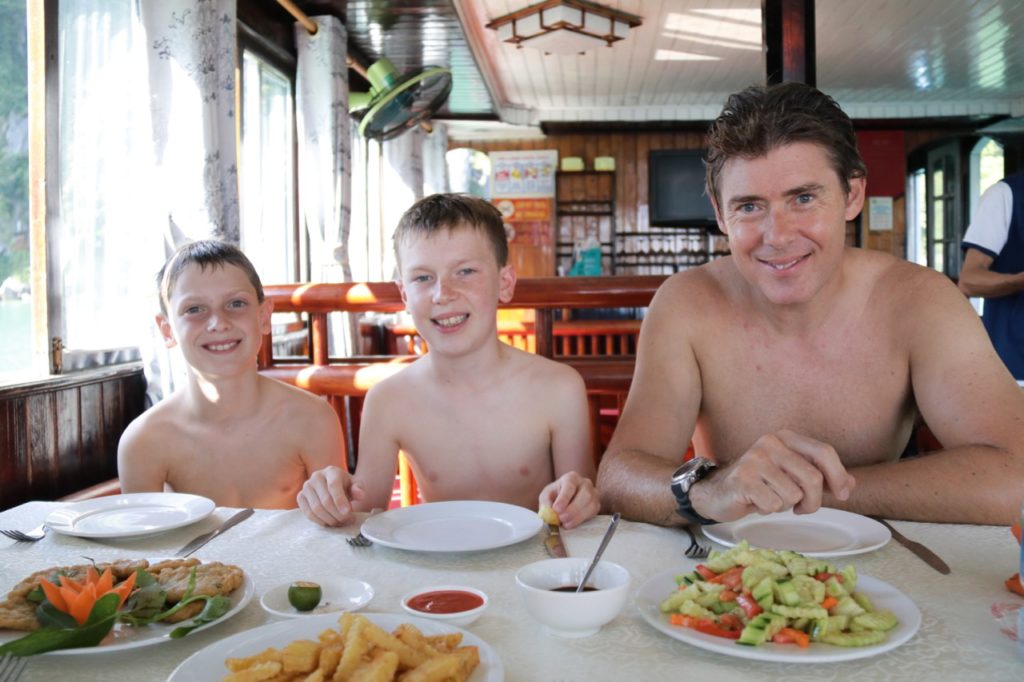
[758, 595]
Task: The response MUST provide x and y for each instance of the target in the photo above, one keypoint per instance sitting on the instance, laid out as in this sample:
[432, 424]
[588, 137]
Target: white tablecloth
[961, 636]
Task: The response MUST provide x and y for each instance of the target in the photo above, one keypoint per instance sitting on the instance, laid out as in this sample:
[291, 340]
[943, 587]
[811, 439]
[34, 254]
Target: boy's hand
[326, 496]
[573, 498]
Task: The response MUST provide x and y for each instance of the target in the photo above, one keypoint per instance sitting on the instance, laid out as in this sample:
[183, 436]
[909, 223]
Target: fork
[696, 550]
[11, 667]
[37, 533]
[361, 540]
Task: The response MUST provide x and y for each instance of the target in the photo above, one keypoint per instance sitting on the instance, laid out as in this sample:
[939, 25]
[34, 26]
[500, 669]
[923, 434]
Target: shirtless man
[230, 434]
[799, 366]
[478, 419]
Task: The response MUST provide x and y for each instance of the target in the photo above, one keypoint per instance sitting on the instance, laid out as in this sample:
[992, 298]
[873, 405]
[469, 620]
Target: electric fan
[396, 104]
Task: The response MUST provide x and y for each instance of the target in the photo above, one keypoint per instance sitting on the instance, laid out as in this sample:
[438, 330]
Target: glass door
[944, 225]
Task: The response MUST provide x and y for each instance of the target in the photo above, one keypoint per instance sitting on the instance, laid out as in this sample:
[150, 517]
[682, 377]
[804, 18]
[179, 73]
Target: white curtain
[191, 60]
[435, 165]
[325, 163]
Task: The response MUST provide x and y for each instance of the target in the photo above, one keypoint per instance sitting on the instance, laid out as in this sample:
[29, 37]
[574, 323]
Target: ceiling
[880, 59]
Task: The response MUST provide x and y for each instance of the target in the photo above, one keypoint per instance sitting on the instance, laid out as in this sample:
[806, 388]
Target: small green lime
[304, 595]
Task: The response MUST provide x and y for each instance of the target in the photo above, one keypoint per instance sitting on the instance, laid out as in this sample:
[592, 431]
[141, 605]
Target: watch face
[692, 471]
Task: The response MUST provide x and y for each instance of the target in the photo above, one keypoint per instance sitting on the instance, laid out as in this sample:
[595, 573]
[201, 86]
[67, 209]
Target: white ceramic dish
[207, 665]
[460, 526]
[339, 594]
[826, 532]
[460, 618]
[129, 515]
[149, 635]
[883, 596]
[572, 614]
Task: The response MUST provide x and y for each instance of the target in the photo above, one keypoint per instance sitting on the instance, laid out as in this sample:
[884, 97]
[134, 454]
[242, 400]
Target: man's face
[785, 215]
[214, 315]
[451, 285]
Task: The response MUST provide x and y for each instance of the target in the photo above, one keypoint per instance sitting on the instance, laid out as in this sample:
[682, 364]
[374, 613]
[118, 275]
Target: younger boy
[477, 418]
[229, 434]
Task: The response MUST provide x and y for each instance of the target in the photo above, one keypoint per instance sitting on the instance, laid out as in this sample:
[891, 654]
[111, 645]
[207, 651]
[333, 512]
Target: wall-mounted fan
[396, 104]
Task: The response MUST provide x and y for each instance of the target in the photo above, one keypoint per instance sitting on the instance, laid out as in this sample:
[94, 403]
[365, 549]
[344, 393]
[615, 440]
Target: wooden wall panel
[60, 436]
[631, 150]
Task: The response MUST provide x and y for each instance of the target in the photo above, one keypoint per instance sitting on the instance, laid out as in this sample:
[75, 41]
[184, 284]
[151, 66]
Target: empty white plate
[338, 594]
[826, 532]
[122, 516]
[459, 526]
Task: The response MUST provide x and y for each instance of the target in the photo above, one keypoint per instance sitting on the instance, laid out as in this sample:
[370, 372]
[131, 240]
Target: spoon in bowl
[600, 550]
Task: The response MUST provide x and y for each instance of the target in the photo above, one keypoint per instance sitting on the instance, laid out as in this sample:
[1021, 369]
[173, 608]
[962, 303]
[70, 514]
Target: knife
[925, 554]
[206, 537]
[553, 542]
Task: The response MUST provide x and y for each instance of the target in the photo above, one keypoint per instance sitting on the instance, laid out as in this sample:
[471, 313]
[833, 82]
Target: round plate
[339, 594]
[826, 532]
[129, 515]
[207, 665]
[461, 526]
[158, 633]
[883, 596]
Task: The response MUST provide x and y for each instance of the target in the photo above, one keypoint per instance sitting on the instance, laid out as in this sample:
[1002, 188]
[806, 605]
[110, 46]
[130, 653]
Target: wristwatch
[682, 480]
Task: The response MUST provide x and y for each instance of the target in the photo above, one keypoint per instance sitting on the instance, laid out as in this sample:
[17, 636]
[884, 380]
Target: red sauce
[445, 601]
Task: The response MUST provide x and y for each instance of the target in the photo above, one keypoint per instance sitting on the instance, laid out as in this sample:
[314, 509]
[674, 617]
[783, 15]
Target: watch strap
[685, 509]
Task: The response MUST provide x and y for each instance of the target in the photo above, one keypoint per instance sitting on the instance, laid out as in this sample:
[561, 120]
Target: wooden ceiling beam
[788, 29]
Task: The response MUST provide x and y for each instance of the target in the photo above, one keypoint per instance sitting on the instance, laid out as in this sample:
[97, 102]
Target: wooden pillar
[788, 27]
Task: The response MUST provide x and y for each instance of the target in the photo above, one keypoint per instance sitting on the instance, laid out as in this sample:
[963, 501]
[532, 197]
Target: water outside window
[15, 294]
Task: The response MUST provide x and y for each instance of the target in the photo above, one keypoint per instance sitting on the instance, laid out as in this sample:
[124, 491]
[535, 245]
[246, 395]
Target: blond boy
[477, 418]
[229, 434]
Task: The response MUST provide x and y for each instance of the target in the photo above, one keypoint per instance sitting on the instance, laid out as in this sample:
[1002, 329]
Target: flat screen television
[676, 195]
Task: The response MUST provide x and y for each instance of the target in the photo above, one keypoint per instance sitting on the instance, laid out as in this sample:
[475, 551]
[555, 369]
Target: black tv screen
[677, 197]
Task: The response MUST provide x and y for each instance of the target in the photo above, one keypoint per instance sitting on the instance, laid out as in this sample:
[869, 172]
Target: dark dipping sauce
[572, 588]
[445, 601]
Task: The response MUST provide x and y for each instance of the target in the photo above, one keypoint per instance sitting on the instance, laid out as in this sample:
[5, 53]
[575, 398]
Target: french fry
[356, 646]
[381, 668]
[408, 657]
[301, 656]
[360, 651]
[436, 669]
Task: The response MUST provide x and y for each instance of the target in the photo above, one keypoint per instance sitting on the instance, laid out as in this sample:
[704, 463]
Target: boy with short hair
[229, 434]
[477, 418]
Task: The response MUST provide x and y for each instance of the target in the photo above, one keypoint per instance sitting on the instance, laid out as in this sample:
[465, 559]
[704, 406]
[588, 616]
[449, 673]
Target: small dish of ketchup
[453, 604]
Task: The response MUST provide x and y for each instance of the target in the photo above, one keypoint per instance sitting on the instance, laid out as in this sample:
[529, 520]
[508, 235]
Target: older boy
[477, 418]
[229, 434]
[799, 366]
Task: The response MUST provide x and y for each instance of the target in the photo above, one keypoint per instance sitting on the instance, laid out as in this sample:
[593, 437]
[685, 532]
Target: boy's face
[451, 285]
[785, 215]
[214, 315]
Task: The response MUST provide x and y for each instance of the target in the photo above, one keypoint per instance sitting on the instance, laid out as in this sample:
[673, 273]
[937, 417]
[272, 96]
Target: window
[15, 279]
[269, 232]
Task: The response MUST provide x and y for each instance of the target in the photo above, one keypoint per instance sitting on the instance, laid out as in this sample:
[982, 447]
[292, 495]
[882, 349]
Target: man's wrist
[685, 481]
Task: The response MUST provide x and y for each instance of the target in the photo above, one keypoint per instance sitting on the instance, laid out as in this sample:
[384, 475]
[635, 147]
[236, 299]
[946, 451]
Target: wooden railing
[345, 380]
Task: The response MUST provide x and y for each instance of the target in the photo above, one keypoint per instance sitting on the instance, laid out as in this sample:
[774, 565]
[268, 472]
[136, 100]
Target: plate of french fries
[369, 646]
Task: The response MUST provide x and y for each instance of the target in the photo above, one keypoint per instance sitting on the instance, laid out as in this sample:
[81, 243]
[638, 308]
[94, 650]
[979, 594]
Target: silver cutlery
[201, 540]
[922, 552]
[361, 540]
[600, 550]
[11, 667]
[553, 543]
[37, 533]
[696, 550]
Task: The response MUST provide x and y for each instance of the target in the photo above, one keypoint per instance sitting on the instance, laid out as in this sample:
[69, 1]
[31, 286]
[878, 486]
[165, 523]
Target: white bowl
[572, 614]
[458, 618]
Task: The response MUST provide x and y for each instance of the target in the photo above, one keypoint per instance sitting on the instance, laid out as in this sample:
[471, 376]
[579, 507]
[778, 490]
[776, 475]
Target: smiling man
[799, 366]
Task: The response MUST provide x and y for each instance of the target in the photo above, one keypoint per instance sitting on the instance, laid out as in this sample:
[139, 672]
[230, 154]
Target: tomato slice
[748, 604]
[706, 572]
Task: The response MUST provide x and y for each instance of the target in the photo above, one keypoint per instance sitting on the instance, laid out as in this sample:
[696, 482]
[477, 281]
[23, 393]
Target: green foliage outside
[14, 243]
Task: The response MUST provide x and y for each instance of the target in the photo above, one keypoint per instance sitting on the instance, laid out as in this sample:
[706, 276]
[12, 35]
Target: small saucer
[339, 594]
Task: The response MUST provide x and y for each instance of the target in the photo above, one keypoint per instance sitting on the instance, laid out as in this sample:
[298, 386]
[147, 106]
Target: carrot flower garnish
[77, 598]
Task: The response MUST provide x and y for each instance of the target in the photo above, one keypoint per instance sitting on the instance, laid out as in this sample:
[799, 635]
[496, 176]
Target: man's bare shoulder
[298, 402]
[899, 285]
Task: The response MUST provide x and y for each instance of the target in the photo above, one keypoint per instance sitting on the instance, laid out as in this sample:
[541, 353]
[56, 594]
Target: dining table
[967, 631]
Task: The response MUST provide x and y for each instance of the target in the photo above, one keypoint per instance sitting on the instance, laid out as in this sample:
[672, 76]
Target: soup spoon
[600, 550]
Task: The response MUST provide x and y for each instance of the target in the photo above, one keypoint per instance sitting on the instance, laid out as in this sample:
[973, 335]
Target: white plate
[883, 596]
[462, 526]
[207, 665]
[339, 594]
[826, 532]
[122, 516]
[148, 635]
